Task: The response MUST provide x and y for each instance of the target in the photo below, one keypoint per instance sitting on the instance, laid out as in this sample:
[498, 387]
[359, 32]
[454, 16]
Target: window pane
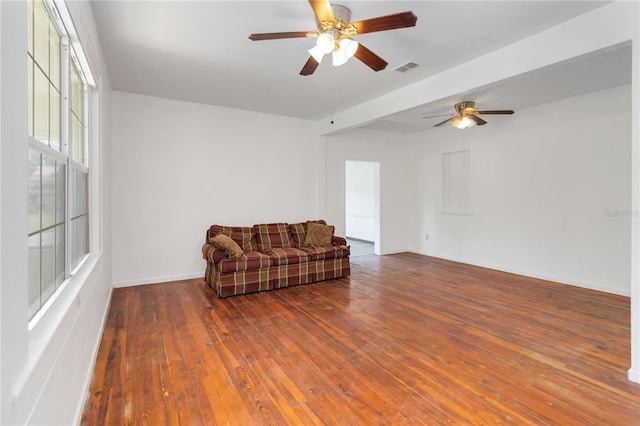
[79, 244]
[54, 119]
[34, 274]
[41, 35]
[54, 55]
[81, 152]
[34, 191]
[85, 193]
[85, 234]
[48, 253]
[74, 88]
[73, 191]
[41, 106]
[76, 140]
[79, 239]
[60, 260]
[30, 94]
[75, 242]
[61, 179]
[78, 189]
[48, 191]
[80, 105]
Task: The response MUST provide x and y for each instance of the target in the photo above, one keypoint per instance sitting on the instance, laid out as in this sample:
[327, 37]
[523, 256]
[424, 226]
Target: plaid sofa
[274, 257]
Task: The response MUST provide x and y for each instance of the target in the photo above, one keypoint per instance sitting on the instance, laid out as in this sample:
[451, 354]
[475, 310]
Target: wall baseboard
[560, 280]
[360, 240]
[158, 280]
[96, 347]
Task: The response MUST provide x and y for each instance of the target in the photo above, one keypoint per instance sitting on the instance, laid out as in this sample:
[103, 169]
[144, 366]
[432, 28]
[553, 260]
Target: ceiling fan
[468, 115]
[335, 35]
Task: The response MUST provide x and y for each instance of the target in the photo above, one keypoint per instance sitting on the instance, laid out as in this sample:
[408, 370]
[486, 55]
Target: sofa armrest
[338, 241]
[212, 254]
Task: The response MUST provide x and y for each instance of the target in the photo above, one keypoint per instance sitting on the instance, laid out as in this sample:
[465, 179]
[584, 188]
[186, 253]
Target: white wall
[389, 149]
[46, 371]
[550, 191]
[180, 167]
[360, 200]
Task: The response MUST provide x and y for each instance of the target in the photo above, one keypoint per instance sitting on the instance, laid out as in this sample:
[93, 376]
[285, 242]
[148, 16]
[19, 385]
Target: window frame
[70, 55]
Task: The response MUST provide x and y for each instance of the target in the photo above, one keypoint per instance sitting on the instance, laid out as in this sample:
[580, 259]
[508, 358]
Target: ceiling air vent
[407, 66]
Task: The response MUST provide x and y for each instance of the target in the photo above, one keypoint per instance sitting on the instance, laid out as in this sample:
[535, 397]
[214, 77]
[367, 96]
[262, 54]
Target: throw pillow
[225, 243]
[318, 234]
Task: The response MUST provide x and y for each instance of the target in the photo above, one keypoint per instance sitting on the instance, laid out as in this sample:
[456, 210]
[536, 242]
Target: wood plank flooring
[407, 339]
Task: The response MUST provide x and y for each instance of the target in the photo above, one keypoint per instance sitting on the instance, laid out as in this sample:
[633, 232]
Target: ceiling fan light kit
[347, 49]
[335, 33]
[468, 115]
[316, 53]
[326, 43]
[462, 122]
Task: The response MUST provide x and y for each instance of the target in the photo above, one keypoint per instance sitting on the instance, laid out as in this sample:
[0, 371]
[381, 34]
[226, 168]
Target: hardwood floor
[407, 339]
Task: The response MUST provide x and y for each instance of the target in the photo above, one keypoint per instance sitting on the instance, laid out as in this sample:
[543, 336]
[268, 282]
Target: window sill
[49, 327]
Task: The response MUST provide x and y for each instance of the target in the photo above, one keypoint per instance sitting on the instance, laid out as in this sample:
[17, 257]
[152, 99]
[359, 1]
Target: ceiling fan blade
[500, 111]
[435, 116]
[388, 22]
[370, 59]
[445, 121]
[309, 67]
[479, 121]
[322, 9]
[274, 36]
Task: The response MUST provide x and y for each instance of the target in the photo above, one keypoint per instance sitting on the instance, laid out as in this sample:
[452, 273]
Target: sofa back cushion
[242, 235]
[298, 231]
[272, 235]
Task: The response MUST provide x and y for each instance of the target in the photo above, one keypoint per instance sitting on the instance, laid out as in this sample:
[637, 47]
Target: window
[79, 176]
[58, 166]
[456, 183]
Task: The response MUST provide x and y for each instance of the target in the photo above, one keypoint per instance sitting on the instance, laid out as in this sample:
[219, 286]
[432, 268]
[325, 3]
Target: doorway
[362, 206]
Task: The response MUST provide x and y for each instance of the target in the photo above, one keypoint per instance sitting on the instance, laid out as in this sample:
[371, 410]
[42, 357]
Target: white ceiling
[198, 51]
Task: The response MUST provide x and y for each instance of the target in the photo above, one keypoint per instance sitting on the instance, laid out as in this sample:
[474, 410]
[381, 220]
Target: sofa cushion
[299, 230]
[287, 256]
[225, 243]
[242, 235]
[272, 235]
[318, 234]
[326, 252]
[251, 260]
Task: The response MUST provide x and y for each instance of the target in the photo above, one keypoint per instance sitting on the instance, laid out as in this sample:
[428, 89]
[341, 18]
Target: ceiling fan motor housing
[465, 107]
[342, 15]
